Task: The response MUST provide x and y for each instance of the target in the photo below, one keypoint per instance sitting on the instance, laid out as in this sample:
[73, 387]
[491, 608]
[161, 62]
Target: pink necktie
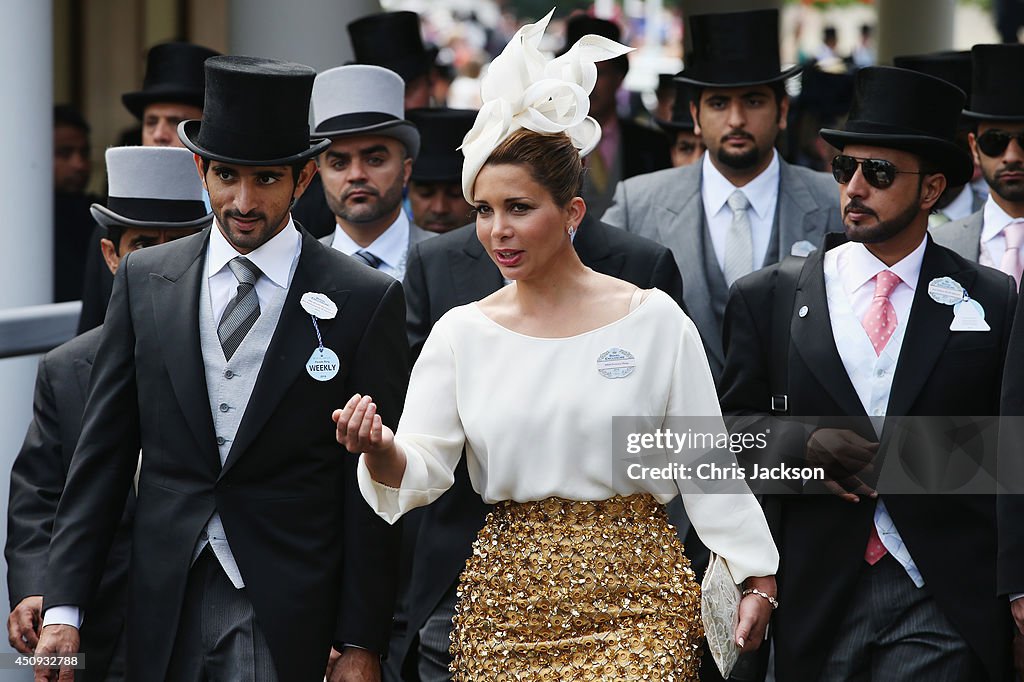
[880, 320]
[1011, 265]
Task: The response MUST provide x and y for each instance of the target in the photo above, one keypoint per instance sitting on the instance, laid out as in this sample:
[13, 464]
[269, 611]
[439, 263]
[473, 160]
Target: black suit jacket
[37, 480]
[952, 538]
[318, 564]
[453, 269]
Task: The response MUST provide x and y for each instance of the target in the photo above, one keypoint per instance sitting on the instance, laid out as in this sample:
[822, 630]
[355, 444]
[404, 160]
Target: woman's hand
[360, 428]
[755, 611]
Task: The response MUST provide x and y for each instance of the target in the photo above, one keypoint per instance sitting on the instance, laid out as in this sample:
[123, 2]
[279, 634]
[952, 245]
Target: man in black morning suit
[879, 586]
[450, 270]
[143, 182]
[253, 552]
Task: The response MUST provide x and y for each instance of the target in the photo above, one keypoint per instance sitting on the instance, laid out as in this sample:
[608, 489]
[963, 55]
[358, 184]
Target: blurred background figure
[72, 222]
[685, 146]
[864, 54]
[435, 186]
[393, 40]
[826, 52]
[626, 148]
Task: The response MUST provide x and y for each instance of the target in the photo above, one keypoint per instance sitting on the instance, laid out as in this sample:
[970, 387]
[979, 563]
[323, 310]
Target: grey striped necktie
[368, 258]
[243, 309]
[739, 248]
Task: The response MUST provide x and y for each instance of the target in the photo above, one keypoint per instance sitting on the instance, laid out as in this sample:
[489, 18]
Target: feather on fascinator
[523, 89]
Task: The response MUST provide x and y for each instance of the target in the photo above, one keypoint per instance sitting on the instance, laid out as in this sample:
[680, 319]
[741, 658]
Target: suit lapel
[591, 244]
[927, 331]
[291, 345]
[796, 212]
[813, 338]
[176, 311]
[474, 275]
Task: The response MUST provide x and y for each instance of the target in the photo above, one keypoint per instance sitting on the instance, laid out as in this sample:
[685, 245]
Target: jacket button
[224, 407]
[228, 374]
[220, 440]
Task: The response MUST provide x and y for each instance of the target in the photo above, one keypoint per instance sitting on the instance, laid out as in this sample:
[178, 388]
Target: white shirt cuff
[63, 615]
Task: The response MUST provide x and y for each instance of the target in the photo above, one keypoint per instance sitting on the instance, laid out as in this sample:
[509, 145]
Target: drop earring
[571, 230]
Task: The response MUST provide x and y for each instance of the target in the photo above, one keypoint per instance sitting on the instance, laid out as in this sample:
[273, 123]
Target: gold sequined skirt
[569, 590]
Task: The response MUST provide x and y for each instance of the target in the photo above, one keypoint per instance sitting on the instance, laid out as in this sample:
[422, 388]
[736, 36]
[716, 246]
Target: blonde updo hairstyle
[551, 159]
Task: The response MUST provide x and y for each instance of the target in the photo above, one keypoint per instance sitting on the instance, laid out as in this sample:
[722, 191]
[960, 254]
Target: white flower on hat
[523, 89]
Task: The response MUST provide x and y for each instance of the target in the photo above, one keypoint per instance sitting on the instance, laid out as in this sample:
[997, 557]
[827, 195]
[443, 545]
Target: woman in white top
[577, 573]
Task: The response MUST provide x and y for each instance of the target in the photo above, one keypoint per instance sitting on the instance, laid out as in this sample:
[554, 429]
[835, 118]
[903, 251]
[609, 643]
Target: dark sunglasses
[995, 142]
[878, 172]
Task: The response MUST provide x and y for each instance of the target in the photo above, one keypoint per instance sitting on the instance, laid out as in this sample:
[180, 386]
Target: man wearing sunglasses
[857, 345]
[742, 206]
[993, 236]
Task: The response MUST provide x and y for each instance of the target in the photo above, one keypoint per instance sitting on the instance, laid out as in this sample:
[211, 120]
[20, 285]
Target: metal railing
[37, 328]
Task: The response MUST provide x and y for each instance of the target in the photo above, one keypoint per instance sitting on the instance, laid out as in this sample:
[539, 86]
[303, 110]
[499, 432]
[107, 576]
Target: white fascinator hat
[524, 89]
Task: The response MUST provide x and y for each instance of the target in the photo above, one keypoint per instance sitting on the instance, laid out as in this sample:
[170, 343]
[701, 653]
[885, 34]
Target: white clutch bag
[719, 606]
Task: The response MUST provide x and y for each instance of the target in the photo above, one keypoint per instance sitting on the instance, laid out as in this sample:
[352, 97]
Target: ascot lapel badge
[968, 314]
[323, 364]
[616, 363]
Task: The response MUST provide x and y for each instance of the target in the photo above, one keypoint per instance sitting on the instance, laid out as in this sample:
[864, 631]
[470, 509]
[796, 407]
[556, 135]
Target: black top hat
[681, 119]
[907, 110]
[392, 40]
[256, 113]
[174, 73]
[951, 66]
[829, 95]
[441, 132]
[735, 50]
[997, 92]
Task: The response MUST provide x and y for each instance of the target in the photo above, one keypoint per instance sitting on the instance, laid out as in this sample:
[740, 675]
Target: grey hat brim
[682, 77]
[402, 130]
[955, 163]
[188, 132]
[107, 218]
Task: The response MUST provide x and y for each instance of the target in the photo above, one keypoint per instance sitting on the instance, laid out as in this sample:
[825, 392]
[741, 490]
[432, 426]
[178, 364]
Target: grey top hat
[152, 187]
[360, 99]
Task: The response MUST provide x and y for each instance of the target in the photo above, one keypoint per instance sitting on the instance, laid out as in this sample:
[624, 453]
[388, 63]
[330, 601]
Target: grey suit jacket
[666, 206]
[962, 236]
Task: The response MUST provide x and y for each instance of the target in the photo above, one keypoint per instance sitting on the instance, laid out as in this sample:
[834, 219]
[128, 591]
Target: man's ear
[305, 176]
[693, 115]
[932, 187]
[199, 169]
[110, 256]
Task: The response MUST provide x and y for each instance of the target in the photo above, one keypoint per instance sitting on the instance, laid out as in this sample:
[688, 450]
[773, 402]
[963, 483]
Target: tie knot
[368, 258]
[244, 270]
[738, 201]
[1014, 233]
[885, 282]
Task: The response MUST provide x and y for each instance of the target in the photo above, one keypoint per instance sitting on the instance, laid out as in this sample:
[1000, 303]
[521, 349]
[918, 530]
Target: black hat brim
[687, 79]
[107, 218]
[982, 116]
[136, 102]
[673, 126]
[955, 163]
[402, 130]
[188, 133]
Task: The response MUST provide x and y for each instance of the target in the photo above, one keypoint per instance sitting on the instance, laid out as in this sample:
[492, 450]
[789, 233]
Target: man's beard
[1010, 191]
[742, 160]
[368, 211]
[883, 230]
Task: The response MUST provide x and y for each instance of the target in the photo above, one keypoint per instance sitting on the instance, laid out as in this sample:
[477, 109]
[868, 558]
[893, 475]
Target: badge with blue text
[323, 364]
[946, 290]
[969, 316]
[616, 363]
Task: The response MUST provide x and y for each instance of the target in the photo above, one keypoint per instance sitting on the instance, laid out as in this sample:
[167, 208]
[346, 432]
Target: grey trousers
[894, 631]
[218, 639]
[435, 640]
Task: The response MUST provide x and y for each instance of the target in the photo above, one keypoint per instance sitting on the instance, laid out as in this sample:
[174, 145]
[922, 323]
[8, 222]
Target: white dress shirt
[392, 247]
[993, 240]
[277, 259]
[849, 284]
[763, 194]
[962, 206]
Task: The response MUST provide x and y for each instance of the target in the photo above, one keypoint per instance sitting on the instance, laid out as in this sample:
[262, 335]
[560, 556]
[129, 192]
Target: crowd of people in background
[841, 251]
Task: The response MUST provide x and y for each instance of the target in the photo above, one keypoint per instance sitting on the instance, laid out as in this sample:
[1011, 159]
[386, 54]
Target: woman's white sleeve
[430, 433]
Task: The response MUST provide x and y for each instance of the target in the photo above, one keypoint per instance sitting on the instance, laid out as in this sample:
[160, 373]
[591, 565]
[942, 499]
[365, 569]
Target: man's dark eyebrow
[222, 169]
[375, 149]
[271, 173]
[337, 155]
